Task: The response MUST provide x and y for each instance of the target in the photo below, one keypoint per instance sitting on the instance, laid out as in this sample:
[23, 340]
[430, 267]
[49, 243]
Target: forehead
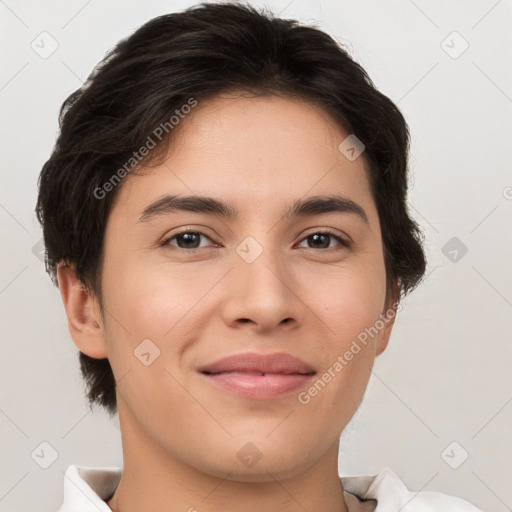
[244, 126]
[254, 152]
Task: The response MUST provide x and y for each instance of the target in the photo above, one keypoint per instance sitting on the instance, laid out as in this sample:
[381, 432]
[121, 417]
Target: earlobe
[389, 319]
[83, 313]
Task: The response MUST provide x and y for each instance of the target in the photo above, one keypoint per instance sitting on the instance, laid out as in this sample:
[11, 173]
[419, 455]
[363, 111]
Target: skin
[180, 434]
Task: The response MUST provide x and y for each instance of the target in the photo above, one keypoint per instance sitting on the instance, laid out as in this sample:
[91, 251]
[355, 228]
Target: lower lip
[259, 387]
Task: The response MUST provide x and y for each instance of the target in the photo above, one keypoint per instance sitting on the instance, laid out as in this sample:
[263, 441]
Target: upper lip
[279, 362]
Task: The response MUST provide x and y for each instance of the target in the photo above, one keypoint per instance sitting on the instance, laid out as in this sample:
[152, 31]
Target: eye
[186, 239]
[190, 240]
[321, 239]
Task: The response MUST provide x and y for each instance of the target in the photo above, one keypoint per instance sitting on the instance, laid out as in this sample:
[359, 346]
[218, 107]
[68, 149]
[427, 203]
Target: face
[259, 281]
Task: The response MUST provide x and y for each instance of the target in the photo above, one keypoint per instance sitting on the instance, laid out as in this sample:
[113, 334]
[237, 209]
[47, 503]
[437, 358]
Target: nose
[262, 295]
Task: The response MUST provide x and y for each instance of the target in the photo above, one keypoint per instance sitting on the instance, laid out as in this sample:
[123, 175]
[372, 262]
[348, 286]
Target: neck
[155, 479]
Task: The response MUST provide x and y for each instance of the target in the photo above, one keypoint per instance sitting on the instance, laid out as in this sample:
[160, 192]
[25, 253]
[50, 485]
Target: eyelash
[345, 244]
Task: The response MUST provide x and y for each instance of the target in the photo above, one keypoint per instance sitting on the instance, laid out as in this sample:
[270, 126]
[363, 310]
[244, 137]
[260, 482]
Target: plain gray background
[443, 388]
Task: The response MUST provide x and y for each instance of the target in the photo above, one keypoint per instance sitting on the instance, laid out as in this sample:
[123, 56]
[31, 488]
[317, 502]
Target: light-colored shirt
[87, 489]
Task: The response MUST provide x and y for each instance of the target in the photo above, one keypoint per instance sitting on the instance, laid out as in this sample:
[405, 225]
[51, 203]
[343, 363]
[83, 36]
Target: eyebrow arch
[314, 205]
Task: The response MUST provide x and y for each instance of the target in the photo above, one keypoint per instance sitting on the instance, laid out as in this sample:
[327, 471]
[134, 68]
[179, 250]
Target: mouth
[254, 374]
[253, 362]
[258, 376]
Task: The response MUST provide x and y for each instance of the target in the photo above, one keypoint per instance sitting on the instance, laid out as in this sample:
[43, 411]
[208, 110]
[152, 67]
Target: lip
[277, 362]
[259, 376]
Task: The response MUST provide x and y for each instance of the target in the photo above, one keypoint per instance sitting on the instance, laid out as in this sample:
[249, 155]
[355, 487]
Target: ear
[388, 317]
[83, 313]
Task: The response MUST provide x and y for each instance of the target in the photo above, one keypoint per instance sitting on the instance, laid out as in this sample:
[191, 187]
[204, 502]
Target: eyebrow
[314, 205]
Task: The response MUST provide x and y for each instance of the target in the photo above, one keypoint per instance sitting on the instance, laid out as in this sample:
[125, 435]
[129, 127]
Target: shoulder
[393, 495]
[86, 488]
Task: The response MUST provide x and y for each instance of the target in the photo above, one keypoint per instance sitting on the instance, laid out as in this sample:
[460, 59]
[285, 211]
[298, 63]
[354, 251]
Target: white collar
[86, 489]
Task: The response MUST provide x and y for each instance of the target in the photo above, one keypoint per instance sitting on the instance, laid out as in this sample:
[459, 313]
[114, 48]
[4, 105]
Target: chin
[252, 465]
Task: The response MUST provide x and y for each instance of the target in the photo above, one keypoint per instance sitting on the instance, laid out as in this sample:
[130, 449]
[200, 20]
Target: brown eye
[322, 240]
[186, 240]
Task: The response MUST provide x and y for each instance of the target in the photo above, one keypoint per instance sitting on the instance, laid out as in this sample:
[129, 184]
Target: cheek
[167, 306]
[146, 318]
[150, 298]
[353, 301]
[350, 310]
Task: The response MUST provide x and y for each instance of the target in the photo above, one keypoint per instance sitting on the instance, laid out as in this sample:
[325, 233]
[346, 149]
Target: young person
[225, 215]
